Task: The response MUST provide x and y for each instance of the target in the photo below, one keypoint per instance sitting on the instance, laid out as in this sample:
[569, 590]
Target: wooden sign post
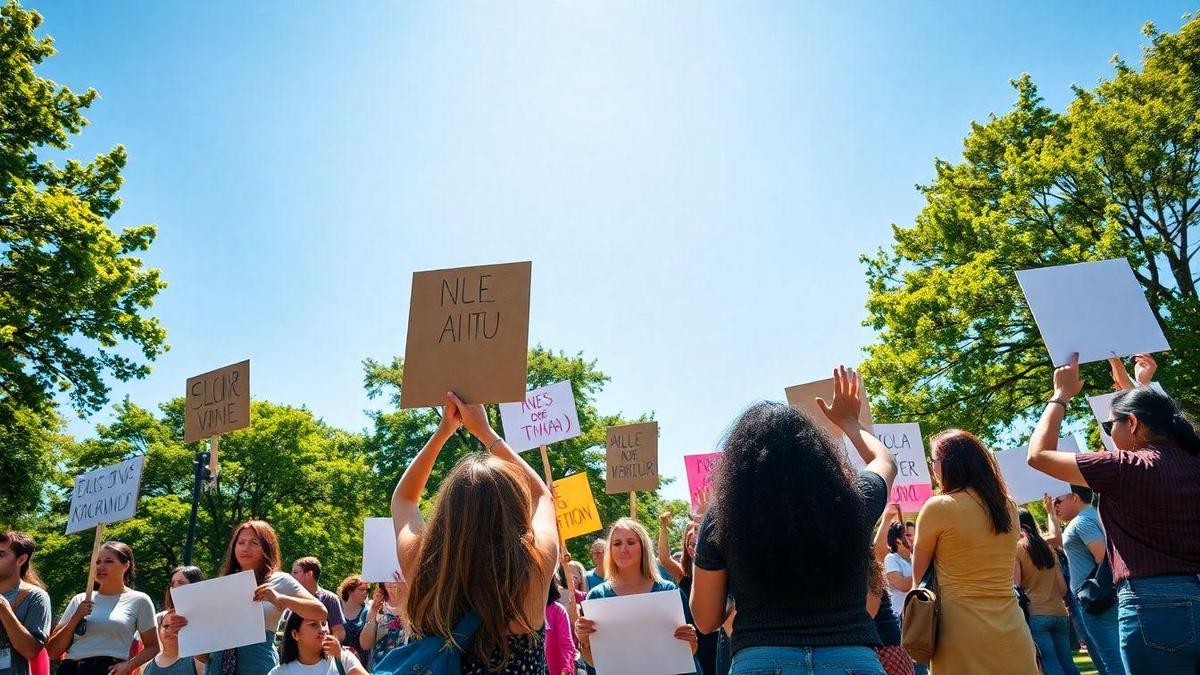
[92, 561]
[631, 453]
[633, 505]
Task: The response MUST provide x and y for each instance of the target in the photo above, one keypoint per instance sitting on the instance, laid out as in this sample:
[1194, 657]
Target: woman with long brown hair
[490, 547]
[969, 534]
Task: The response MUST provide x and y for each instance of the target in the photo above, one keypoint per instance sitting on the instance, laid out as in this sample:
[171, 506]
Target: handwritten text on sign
[912, 487]
[699, 474]
[105, 495]
[468, 332]
[632, 458]
[547, 415]
[575, 506]
[217, 402]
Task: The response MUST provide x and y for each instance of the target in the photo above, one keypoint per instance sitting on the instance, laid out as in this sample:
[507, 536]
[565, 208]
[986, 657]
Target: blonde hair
[477, 553]
[649, 569]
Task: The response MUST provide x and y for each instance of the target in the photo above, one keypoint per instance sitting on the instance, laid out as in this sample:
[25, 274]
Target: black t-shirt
[830, 616]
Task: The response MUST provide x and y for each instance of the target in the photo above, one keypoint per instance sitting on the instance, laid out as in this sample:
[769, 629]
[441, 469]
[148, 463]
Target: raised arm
[844, 411]
[880, 546]
[664, 547]
[1054, 537]
[1043, 445]
[406, 498]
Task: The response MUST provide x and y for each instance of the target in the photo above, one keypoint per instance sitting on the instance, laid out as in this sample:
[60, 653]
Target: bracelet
[1058, 401]
[493, 445]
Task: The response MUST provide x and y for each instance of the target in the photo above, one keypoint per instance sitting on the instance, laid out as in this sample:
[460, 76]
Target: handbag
[919, 618]
[1097, 593]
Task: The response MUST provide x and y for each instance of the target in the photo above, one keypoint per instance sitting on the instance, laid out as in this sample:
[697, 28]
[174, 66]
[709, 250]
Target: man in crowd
[307, 571]
[595, 576]
[24, 606]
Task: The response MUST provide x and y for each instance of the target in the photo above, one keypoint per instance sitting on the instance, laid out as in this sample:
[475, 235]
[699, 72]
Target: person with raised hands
[488, 553]
[787, 505]
[1150, 498]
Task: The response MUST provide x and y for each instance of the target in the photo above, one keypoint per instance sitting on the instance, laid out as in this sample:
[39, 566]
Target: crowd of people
[797, 564]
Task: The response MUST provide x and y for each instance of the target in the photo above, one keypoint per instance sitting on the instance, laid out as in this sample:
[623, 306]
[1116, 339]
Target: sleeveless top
[525, 657]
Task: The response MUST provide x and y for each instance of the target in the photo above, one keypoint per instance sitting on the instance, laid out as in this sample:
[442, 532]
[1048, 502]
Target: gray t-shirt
[333, 606]
[114, 622]
[1083, 529]
[34, 614]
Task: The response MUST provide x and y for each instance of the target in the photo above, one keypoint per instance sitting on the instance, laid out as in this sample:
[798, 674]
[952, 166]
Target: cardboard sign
[803, 397]
[547, 415]
[221, 614]
[468, 332]
[632, 458]
[105, 495]
[913, 486]
[1102, 410]
[380, 558]
[699, 474]
[575, 507]
[1075, 307]
[217, 402]
[1026, 484]
[636, 634]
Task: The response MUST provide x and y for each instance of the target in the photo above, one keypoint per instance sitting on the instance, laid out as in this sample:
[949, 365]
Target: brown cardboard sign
[803, 397]
[217, 402]
[632, 458]
[468, 332]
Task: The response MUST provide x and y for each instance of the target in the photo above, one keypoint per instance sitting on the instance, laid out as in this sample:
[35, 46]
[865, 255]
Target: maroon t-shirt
[1150, 509]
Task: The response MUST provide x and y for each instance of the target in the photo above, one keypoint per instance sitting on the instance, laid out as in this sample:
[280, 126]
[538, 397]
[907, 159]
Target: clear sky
[694, 182]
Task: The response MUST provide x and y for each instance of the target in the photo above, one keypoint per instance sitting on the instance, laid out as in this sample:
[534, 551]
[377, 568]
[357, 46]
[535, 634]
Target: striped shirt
[1150, 508]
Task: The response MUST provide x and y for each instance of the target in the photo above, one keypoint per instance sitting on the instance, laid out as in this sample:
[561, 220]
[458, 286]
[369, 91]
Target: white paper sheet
[379, 550]
[221, 614]
[1026, 484]
[636, 634]
[1097, 309]
[1102, 410]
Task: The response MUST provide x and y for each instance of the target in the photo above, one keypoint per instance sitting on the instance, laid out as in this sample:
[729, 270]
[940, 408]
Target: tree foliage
[1117, 174]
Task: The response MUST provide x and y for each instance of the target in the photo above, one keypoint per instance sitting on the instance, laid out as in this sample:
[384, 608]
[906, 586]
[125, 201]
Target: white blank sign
[1026, 484]
[221, 614]
[636, 634]
[1102, 409]
[1097, 309]
[380, 560]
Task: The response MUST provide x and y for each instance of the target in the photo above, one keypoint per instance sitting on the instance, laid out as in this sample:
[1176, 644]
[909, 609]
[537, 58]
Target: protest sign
[699, 474]
[221, 614]
[636, 634]
[1102, 409]
[217, 402]
[632, 458]
[913, 486]
[1026, 484]
[105, 495]
[575, 507]
[468, 332]
[546, 415]
[1074, 306]
[380, 559]
[803, 397]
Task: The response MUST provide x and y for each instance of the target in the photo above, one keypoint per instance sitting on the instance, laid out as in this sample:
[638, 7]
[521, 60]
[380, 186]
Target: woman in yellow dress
[969, 534]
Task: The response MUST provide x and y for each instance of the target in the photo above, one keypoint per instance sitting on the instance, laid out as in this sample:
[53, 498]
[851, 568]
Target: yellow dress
[982, 629]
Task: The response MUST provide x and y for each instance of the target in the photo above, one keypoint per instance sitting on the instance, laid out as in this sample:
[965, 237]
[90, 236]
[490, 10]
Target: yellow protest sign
[575, 506]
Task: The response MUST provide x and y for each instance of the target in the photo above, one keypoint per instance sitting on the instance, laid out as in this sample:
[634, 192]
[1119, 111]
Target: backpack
[431, 655]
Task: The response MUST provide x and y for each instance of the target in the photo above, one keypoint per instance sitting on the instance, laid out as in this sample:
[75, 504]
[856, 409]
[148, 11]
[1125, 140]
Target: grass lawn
[1084, 663]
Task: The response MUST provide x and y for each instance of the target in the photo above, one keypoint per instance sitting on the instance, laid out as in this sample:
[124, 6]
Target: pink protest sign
[699, 474]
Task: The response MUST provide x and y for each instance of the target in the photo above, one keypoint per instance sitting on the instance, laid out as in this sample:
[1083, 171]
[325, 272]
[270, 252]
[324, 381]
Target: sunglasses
[1108, 426]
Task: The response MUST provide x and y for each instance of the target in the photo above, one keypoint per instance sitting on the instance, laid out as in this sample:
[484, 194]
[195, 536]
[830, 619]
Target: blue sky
[694, 182]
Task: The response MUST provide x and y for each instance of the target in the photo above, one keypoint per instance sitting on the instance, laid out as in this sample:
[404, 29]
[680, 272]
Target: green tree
[1117, 174]
[72, 294]
[399, 434]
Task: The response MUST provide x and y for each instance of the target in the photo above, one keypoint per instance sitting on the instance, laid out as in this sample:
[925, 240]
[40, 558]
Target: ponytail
[1160, 414]
[1184, 434]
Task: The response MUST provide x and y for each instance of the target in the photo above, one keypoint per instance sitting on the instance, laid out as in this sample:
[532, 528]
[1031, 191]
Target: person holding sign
[1150, 495]
[309, 649]
[255, 547]
[629, 570]
[490, 547]
[969, 534]
[95, 634]
[786, 506]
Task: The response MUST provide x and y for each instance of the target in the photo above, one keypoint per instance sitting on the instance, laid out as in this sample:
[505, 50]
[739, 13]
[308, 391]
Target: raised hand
[1119, 376]
[451, 418]
[1067, 382]
[474, 417]
[1144, 367]
[847, 398]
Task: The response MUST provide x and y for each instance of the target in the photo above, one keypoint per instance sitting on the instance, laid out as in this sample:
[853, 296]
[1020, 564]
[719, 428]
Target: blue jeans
[806, 661]
[1102, 637]
[1159, 618]
[1052, 635]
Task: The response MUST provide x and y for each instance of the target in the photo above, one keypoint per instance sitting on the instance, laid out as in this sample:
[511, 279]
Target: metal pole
[200, 464]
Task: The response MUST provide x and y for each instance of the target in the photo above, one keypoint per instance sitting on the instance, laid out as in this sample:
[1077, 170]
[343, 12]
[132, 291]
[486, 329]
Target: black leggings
[96, 665]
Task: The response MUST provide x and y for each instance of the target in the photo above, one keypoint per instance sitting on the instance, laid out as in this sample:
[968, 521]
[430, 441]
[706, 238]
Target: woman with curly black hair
[789, 536]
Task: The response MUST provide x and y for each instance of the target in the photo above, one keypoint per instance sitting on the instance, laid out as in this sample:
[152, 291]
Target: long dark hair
[1037, 548]
[785, 505]
[1160, 414]
[191, 572]
[966, 463]
[289, 650]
